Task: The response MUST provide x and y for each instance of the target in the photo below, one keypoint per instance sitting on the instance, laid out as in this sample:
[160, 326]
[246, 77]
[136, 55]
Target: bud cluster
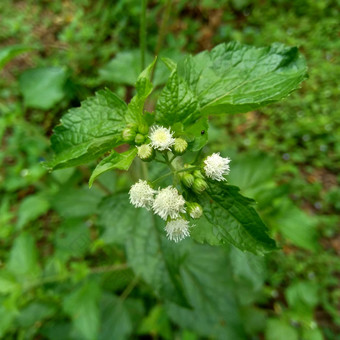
[168, 203]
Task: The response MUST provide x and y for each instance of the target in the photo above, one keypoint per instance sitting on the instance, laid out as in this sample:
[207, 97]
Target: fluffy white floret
[142, 195]
[168, 203]
[216, 166]
[161, 138]
[177, 230]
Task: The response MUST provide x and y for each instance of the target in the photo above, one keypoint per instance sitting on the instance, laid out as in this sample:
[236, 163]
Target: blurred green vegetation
[286, 156]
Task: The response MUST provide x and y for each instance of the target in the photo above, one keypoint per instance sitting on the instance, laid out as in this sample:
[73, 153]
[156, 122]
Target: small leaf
[236, 78]
[176, 103]
[31, 208]
[237, 221]
[43, 87]
[10, 52]
[280, 330]
[89, 131]
[197, 134]
[120, 161]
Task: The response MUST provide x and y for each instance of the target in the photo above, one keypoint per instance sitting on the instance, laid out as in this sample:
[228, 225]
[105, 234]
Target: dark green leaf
[149, 254]
[197, 134]
[82, 305]
[120, 161]
[87, 132]
[176, 103]
[235, 78]
[236, 219]
[207, 281]
[43, 87]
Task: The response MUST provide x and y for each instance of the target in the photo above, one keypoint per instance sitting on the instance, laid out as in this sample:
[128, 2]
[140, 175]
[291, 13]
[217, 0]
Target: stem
[142, 34]
[129, 288]
[160, 178]
[144, 170]
[189, 169]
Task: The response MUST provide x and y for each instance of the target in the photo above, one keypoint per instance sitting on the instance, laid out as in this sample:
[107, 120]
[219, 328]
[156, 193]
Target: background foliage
[65, 248]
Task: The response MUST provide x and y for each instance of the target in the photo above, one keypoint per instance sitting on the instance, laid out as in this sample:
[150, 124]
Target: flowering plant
[194, 197]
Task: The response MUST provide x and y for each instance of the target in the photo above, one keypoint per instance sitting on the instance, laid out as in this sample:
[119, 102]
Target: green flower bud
[180, 146]
[146, 153]
[199, 185]
[139, 139]
[187, 180]
[129, 134]
[198, 174]
[194, 209]
[143, 128]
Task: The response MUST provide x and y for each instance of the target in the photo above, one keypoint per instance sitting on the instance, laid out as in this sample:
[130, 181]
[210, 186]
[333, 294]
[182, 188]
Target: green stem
[142, 34]
[189, 169]
[162, 177]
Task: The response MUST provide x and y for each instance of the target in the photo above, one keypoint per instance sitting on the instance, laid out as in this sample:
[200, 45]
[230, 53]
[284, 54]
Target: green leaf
[280, 330]
[197, 134]
[144, 88]
[10, 52]
[302, 295]
[236, 78]
[82, 305]
[43, 87]
[8, 283]
[35, 312]
[31, 208]
[120, 161]
[176, 103]
[89, 131]
[296, 225]
[116, 321]
[149, 253]
[207, 281]
[23, 258]
[237, 221]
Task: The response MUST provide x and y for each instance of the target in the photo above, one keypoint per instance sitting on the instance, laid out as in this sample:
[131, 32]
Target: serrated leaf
[120, 161]
[236, 78]
[43, 87]
[176, 102]
[207, 281]
[144, 88]
[147, 251]
[10, 52]
[82, 305]
[88, 131]
[236, 219]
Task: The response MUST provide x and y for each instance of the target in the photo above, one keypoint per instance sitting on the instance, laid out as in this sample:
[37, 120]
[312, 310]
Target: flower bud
[139, 139]
[180, 146]
[143, 128]
[146, 153]
[129, 134]
[194, 210]
[198, 174]
[199, 185]
[187, 180]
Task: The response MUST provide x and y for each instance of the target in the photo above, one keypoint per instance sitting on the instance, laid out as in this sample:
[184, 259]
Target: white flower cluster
[216, 166]
[168, 203]
[161, 138]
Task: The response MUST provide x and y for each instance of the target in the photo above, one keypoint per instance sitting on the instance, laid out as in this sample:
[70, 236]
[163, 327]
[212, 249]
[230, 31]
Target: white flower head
[161, 138]
[145, 152]
[216, 166]
[177, 230]
[168, 202]
[141, 195]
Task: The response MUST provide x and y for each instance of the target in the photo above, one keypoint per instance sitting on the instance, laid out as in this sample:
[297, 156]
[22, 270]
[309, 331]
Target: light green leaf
[120, 161]
[8, 283]
[82, 305]
[236, 78]
[207, 281]
[43, 87]
[88, 131]
[23, 258]
[237, 221]
[280, 330]
[31, 208]
[10, 52]
[296, 225]
[148, 253]
[176, 103]
[302, 295]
